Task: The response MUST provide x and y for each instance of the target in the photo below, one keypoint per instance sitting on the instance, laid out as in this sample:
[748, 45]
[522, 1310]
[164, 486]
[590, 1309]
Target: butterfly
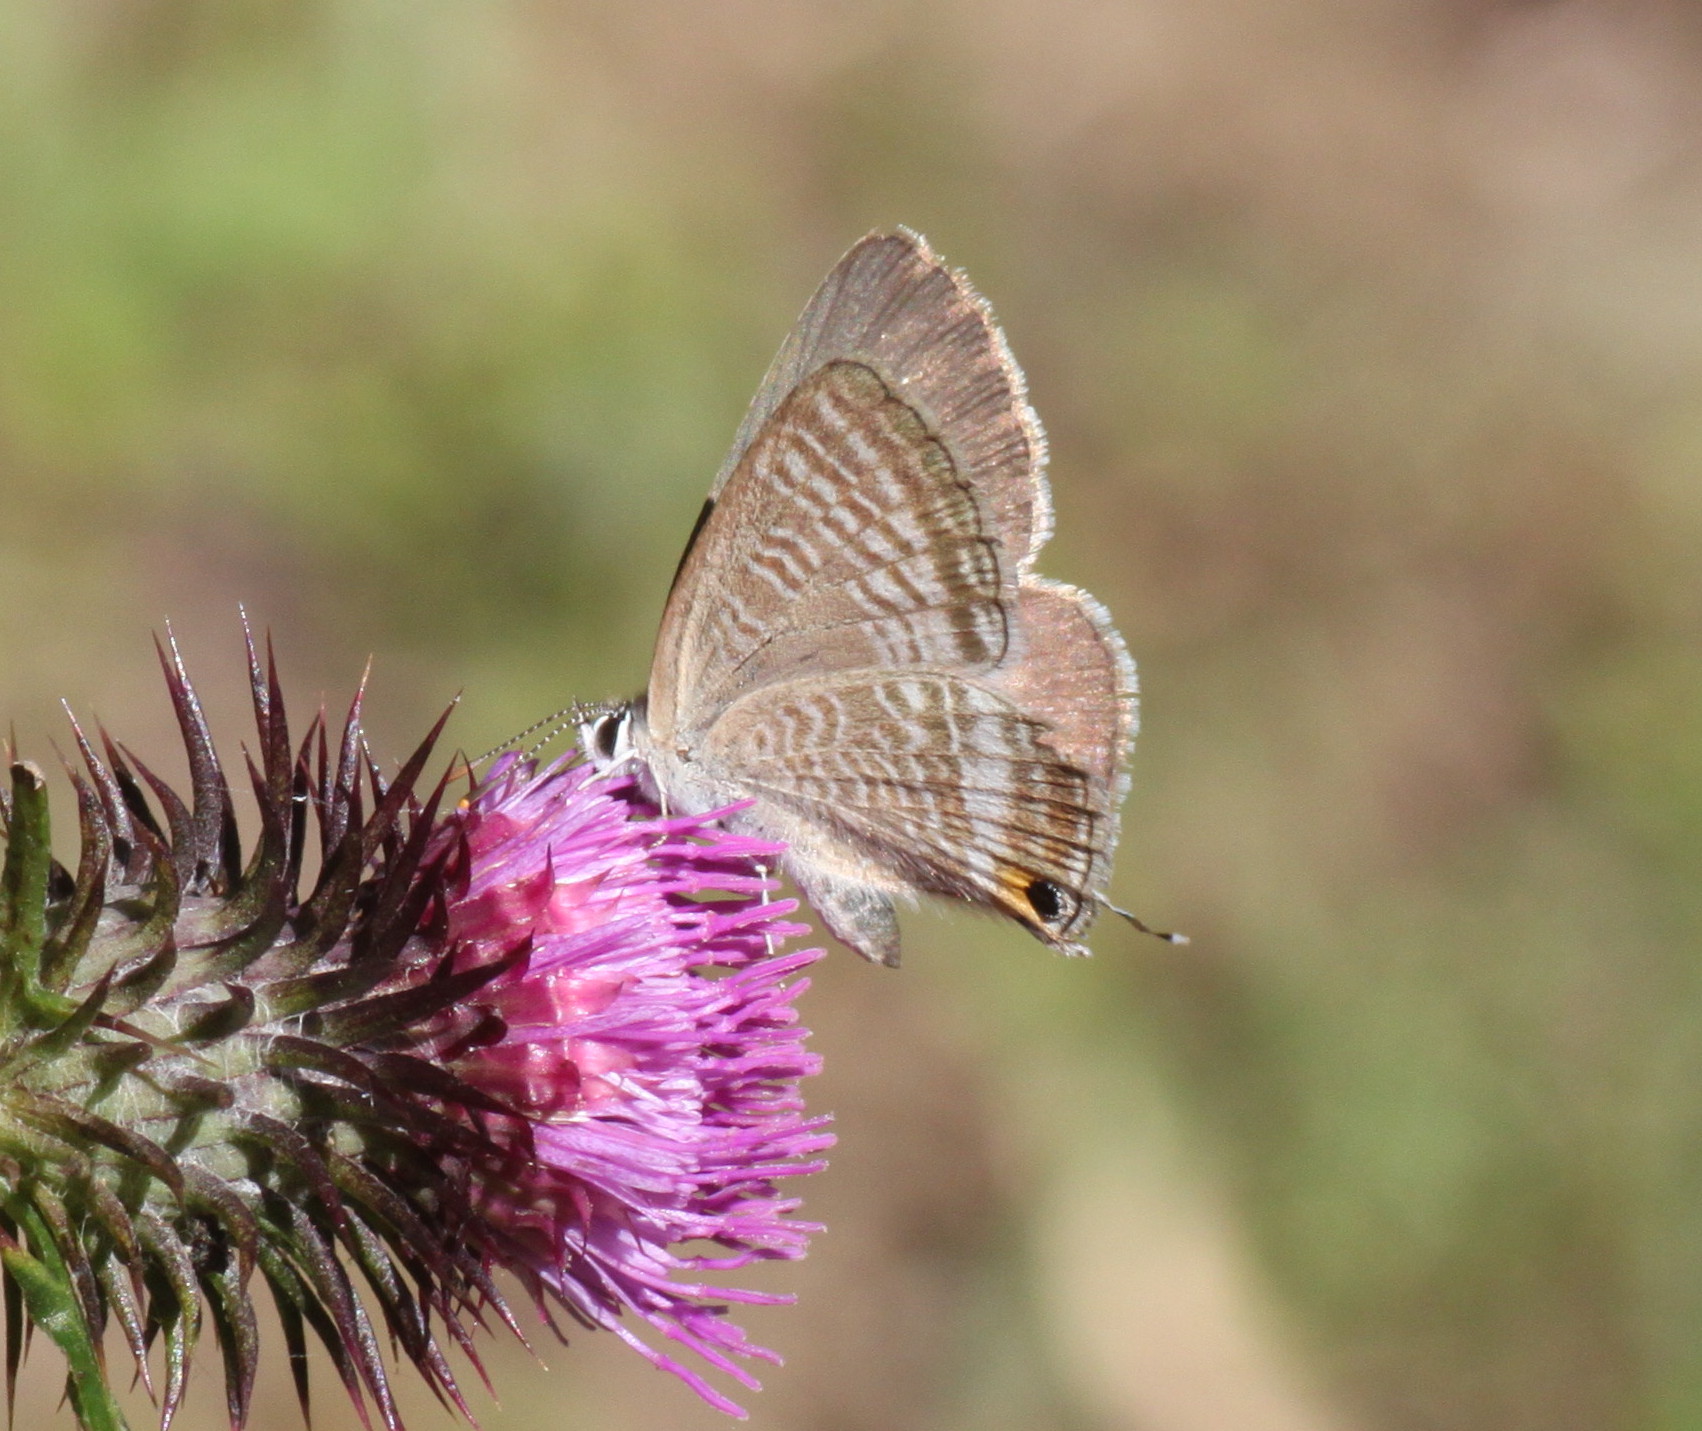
[855, 643]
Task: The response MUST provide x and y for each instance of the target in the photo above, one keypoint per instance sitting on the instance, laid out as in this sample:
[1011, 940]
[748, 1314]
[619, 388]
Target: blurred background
[1369, 340]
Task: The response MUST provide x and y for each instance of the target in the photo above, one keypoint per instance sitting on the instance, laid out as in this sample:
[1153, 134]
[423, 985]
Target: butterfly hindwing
[932, 777]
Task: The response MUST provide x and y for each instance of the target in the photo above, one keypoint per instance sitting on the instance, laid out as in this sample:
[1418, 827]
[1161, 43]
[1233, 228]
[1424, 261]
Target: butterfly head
[606, 735]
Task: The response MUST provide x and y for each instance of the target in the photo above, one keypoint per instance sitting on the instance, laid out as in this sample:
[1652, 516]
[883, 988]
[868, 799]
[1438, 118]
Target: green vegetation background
[1369, 340]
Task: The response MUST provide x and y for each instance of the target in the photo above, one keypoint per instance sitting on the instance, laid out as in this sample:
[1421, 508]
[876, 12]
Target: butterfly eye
[606, 736]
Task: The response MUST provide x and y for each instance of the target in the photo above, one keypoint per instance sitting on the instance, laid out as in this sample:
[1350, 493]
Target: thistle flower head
[542, 1032]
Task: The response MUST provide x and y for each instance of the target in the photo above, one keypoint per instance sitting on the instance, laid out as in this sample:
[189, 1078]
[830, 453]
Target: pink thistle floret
[652, 1046]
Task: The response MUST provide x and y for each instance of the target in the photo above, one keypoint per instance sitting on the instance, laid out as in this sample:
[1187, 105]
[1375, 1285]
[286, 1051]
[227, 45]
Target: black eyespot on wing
[1046, 900]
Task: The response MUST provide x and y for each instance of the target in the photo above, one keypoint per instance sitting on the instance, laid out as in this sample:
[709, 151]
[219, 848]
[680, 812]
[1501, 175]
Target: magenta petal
[652, 1040]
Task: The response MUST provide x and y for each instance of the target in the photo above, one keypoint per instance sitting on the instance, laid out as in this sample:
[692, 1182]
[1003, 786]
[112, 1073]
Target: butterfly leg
[762, 873]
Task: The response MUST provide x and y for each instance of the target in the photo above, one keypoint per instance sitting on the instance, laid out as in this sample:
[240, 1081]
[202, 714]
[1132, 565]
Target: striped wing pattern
[844, 540]
[892, 305]
[941, 775]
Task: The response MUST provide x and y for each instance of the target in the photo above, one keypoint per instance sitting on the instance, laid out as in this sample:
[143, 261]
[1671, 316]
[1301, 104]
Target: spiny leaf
[66, 947]
[62, 1037]
[238, 1335]
[212, 835]
[23, 900]
[77, 1128]
[53, 1306]
[297, 1304]
[174, 1307]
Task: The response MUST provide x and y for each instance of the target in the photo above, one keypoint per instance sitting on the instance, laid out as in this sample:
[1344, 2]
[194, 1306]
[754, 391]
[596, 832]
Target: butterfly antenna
[521, 735]
[552, 725]
[1168, 936]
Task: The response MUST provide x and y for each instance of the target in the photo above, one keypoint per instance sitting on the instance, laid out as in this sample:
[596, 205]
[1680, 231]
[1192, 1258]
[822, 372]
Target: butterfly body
[855, 644]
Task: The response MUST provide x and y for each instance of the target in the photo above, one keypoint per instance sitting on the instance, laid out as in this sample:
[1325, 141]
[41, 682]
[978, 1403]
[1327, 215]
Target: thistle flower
[542, 1033]
[663, 1101]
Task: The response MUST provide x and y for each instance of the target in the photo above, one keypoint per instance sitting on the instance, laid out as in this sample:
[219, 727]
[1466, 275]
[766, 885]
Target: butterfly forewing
[892, 305]
[844, 540]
